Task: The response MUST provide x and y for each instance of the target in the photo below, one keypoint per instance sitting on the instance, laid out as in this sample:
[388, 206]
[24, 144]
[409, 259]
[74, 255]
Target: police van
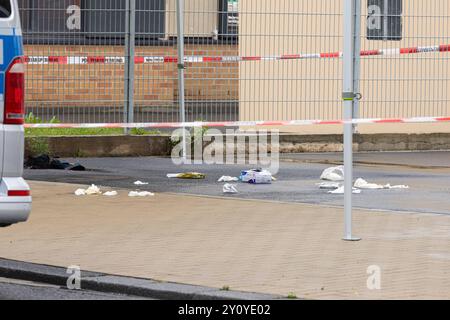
[15, 195]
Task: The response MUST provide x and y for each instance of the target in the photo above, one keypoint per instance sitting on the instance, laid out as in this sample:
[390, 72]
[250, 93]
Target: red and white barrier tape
[238, 123]
[204, 59]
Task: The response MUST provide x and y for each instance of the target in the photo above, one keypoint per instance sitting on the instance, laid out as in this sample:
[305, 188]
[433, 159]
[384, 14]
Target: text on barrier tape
[205, 59]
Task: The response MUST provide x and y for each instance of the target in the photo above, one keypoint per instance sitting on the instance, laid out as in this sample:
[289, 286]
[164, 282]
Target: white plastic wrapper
[140, 183]
[256, 176]
[363, 184]
[228, 179]
[229, 188]
[111, 194]
[388, 186]
[333, 174]
[93, 190]
[80, 192]
[141, 194]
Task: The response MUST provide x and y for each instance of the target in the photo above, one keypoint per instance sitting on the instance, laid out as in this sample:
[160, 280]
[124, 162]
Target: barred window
[384, 20]
[88, 21]
[229, 18]
[102, 22]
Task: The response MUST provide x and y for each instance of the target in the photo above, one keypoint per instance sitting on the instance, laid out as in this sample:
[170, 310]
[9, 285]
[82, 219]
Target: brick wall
[59, 86]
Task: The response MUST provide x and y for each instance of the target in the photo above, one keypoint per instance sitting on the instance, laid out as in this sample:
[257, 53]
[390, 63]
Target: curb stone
[105, 283]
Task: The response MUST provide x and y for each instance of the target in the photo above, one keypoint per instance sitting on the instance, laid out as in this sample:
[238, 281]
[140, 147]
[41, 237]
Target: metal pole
[130, 45]
[181, 68]
[357, 63]
[386, 20]
[348, 97]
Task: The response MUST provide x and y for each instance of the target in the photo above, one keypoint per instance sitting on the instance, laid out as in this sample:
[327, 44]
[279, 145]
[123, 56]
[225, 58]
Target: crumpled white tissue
[142, 194]
[228, 179]
[80, 192]
[111, 194]
[93, 190]
[363, 184]
[388, 186]
[140, 183]
[229, 188]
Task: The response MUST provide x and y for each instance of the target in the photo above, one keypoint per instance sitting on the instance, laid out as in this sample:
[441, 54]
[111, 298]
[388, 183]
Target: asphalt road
[428, 175]
[24, 290]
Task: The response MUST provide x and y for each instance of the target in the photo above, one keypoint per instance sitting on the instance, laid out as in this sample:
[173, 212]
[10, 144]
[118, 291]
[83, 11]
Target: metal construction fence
[115, 61]
[283, 63]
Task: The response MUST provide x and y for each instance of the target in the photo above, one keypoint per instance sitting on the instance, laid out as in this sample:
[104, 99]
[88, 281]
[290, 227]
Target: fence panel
[304, 87]
[156, 79]
[245, 59]
[75, 55]
[411, 77]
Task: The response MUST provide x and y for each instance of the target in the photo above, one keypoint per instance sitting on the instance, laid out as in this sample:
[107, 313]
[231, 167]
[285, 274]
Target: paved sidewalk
[253, 246]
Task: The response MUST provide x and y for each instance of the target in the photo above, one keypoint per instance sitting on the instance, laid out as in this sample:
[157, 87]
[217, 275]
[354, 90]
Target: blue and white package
[256, 176]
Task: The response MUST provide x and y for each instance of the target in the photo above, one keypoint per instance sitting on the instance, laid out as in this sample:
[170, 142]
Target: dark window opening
[384, 20]
[5, 8]
[105, 18]
[228, 19]
[89, 22]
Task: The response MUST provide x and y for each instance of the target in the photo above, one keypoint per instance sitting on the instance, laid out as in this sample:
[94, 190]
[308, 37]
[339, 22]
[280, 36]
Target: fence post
[348, 97]
[181, 67]
[357, 61]
[130, 40]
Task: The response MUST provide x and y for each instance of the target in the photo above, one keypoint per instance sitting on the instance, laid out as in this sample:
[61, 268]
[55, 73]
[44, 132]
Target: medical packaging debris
[80, 192]
[187, 175]
[341, 190]
[256, 176]
[333, 174]
[336, 174]
[388, 186]
[111, 194]
[363, 184]
[142, 194]
[91, 191]
[230, 188]
[228, 179]
[140, 183]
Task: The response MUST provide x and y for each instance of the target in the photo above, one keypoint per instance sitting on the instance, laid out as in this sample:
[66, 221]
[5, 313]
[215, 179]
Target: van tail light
[15, 93]
[19, 193]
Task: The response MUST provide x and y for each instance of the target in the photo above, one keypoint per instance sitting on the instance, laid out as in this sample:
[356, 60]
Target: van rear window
[5, 8]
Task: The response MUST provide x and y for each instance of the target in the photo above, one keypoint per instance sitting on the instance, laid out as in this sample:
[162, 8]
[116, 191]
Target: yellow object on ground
[187, 175]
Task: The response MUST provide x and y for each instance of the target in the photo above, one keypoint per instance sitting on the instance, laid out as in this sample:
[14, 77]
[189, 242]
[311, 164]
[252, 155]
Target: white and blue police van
[15, 195]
